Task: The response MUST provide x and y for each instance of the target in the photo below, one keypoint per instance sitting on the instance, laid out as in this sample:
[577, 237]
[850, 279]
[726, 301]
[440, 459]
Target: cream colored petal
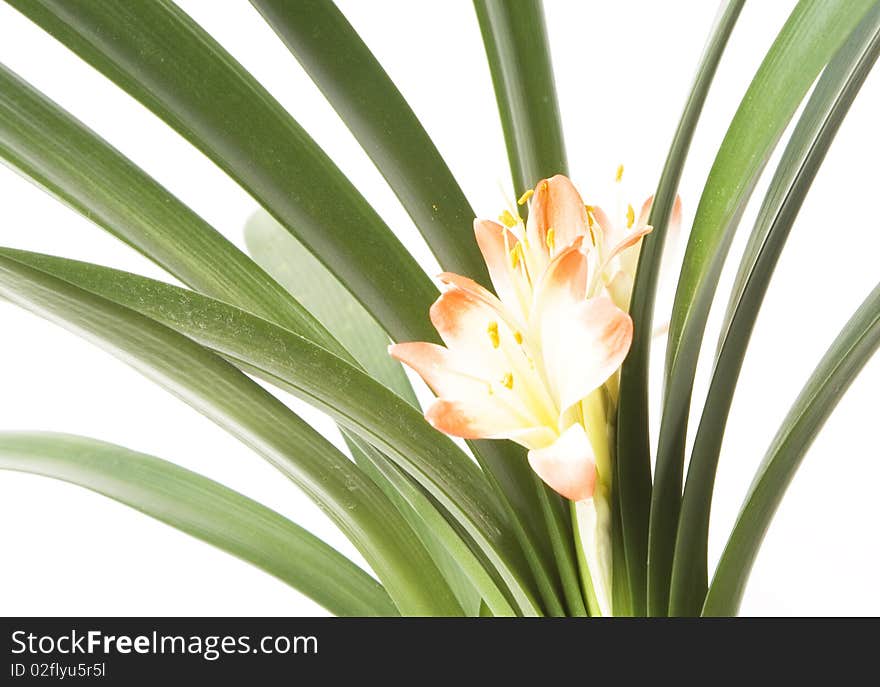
[555, 205]
[584, 342]
[496, 244]
[564, 282]
[620, 289]
[474, 328]
[469, 406]
[567, 466]
[474, 419]
[439, 368]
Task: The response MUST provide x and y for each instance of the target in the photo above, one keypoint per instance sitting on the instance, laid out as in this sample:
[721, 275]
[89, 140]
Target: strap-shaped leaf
[162, 58]
[855, 345]
[74, 164]
[805, 44]
[468, 572]
[321, 293]
[356, 85]
[354, 400]
[232, 400]
[822, 116]
[522, 74]
[59, 153]
[304, 277]
[633, 435]
[204, 509]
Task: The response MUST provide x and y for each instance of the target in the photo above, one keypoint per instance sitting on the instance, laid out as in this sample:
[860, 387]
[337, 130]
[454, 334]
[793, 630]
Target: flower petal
[469, 406]
[608, 232]
[474, 325]
[565, 279]
[438, 367]
[555, 205]
[645, 211]
[567, 466]
[628, 249]
[584, 342]
[496, 242]
[472, 287]
[620, 287]
[474, 419]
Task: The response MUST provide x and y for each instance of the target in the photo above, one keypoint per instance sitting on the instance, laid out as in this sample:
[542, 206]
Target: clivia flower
[531, 364]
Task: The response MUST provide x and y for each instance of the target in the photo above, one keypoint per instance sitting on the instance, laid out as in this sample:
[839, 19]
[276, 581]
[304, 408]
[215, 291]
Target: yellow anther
[591, 218]
[630, 216]
[507, 219]
[550, 238]
[518, 337]
[515, 256]
[524, 198]
[619, 174]
[592, 223]
[507, 380]
[492, 331]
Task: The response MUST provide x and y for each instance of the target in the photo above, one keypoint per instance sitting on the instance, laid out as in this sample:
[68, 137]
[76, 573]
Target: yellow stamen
[524, 198]
[592, 222]
[492, 331]
[519, 337]
[507, 380]
[550, 239]
[507, 219]
[619, 174]
[630, 216]
[515, 256]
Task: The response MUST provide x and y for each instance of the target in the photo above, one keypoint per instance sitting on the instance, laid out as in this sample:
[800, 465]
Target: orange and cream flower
[518, 365]
[619, 245]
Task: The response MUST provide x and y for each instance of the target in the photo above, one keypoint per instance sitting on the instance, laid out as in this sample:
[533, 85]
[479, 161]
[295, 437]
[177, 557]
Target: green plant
[313, 312]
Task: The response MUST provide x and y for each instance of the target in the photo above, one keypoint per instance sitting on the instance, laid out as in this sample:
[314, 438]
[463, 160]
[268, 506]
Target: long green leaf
[810, 37]
[321, 293]
[563, 550]
[229, 398]
[74, 164]
[353, 81]
[204, 509]
[822, 116]
[855, 345]
[516, 44]
[353, 399]
[157, 54]
[304, 277]
[469, 574]
[633, 435]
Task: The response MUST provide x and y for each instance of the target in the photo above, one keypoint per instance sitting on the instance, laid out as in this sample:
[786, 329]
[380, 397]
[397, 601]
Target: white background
[623, 70]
